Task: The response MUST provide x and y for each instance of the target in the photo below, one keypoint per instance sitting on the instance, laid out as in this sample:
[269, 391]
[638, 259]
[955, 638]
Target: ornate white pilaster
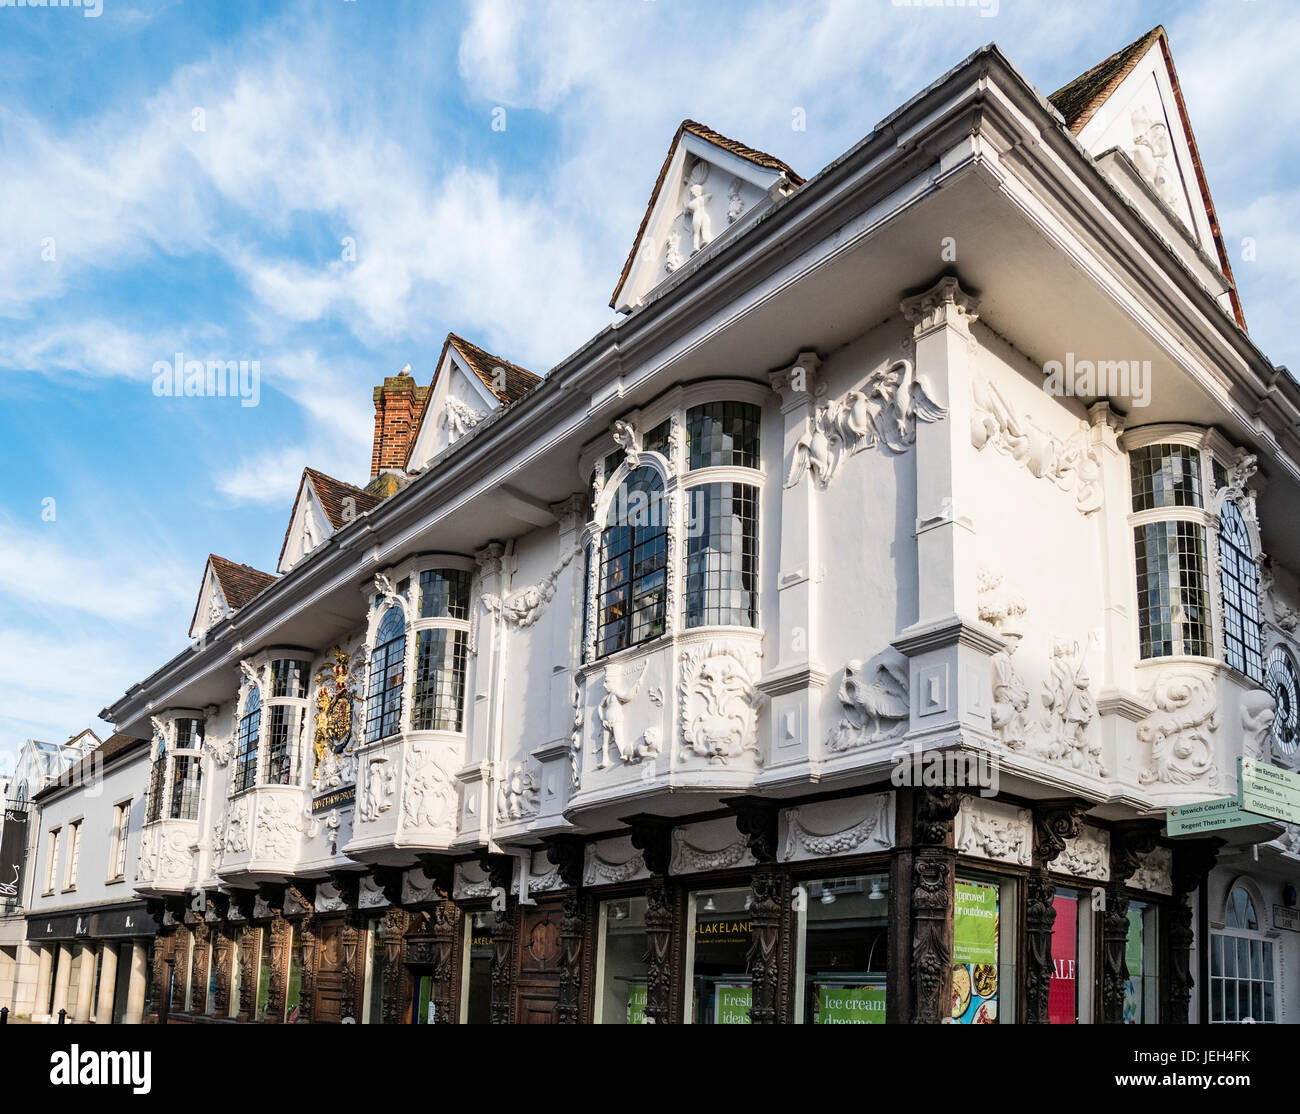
[795, 675]
[949, 669]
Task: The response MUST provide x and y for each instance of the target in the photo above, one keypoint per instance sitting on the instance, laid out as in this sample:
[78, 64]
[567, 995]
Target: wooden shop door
[328, 984]
[537, 991]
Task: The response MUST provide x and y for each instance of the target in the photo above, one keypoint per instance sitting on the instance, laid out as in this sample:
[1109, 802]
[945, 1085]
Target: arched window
[1241, 965]
[1243, 647]
[387, 662]
[250, 728]
[632, 596]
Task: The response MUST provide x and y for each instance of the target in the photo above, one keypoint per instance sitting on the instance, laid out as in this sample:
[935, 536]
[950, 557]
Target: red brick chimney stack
[398, 405]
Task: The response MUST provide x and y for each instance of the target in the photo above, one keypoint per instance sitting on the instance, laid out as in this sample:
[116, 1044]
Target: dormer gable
[322, 507]
[226, 587]
[469, 383]
[1128, 113]
[708, 185]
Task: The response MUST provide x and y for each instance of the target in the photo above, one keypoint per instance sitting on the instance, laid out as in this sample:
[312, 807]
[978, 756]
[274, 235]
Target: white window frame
[74, 854]
[52, 867]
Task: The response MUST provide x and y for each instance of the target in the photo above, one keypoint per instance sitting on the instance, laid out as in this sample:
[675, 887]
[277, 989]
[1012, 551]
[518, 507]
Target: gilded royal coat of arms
[334, 739]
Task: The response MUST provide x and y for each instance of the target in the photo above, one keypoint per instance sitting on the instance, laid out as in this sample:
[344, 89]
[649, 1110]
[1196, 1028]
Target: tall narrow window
[121, 833]
[631, 607]
[722, 555]
[387, 661]
[250, 727]
[74, 855]
[1165, 476]
[157, 781]
[281, 744]
[438, 703]
[52, 867]
[1243, 647]
[1173, 600]
[187, 770]
[1242, 979]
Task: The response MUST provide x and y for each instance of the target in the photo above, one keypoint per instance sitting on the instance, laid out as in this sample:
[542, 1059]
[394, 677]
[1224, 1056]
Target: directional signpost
[1208, 816]
[1270, 791]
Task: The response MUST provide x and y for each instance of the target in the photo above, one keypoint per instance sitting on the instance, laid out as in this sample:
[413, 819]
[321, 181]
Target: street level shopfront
[877, 908]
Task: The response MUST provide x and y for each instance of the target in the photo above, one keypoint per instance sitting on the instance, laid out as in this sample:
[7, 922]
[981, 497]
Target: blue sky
[372, 121]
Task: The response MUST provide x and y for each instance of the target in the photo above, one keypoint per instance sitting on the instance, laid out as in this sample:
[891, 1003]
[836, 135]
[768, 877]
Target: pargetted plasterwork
[989, 830]
[1071, 467]
[1180, 732]
[1154, 872]
[1086, 856]
[874, 698]
[712, 845]
[882, 410]
[518, 794]
[524, 607]
[847, 826]
[719, 702]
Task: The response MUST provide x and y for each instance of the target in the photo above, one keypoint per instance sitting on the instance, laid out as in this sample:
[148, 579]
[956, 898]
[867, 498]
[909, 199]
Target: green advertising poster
[1133, 944]
[975, 923]
[849, 1004]
[731, 1003]
[636, 1003]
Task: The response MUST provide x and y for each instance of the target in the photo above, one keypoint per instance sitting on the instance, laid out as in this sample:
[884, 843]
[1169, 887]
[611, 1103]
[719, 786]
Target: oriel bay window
[187, 769]
[673, 544]
[287, 715]
[441, 650]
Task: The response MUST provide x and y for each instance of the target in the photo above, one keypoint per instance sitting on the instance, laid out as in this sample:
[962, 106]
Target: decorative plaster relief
[611, 861]
[1074, 467]
[991, 830]
[278, 821]
[370, 894]
[1153, 154]
[613, 719]
[1258, 711]
[417, 887]
[875, 701]
[428, 795]
[1155, 872]
[1005, 612]
[712, 845]
[719, 701]
[328, 899]
[236, 841]
[841, 827]
[524, 607]
[1180, 731]
[1070, 708]
[334, 738]
[1086, 856]
[518, 794]
[882, 410]
[458, 419]
[470, 882]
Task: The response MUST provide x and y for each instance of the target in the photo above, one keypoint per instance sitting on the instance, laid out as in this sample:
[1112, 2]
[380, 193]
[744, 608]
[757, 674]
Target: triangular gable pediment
[308, 526]
[708, 185]
[1132, 105]
[458, 401]
[212, 607]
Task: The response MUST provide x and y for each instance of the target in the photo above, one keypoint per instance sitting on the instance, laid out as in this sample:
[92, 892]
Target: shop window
[1063, 988]
[717, 979]
[263, 999]
[236, 976]
[842, 951]
[374, 1008]
[1141, 991]
[984, 958]
[621, 968]
[293, 986]
[422, 1005]
[1242, 971]
[476, 993]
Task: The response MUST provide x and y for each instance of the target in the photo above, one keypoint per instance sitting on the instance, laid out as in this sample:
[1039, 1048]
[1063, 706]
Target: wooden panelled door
[537, 989]
[328, 984]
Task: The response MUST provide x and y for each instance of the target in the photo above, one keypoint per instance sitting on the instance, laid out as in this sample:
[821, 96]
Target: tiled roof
[759, 158]
[239, 583]
[331, 494]
[517, 381]
[1081, 98]
[112, 747]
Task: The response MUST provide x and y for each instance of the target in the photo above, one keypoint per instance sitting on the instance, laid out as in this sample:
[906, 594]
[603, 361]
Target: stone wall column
[44, 967]
[138, 983]
[1054, 823]
[652, 836]
[933, 875]
[62, 977]
[1193, 861]
[85, 982]
[1128, 843]
[107, 983]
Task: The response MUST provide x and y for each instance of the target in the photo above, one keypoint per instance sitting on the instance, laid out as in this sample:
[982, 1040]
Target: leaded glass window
[186, 776]
[721, 433]
[1173, 608]
[157, 783]
[444, 594]
[282, 744]
[722, 555]
[632, 600]
[1165, 476]
[1243, 647]
[387, 662]
[250, 725]
[438, 701]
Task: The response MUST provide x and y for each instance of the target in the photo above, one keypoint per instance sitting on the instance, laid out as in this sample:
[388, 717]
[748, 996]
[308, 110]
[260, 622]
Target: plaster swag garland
[882, 410]
[1071, 467]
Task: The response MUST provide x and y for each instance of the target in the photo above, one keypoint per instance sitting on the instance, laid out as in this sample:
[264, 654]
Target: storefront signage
[105, 923]
[1207, 816]
[1286, 918]
[636, 1003]
[13, 852]
[975, 954]
[1061, 994]
[1268, 790]
[848, 1004]
[731, 1002]
[722, 932]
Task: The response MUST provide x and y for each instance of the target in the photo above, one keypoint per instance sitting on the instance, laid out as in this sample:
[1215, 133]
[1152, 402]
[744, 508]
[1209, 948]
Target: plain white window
[52, 868]
[74, 855]
[121, 829]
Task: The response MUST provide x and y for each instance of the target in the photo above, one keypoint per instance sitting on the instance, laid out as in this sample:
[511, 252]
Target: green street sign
[1269, 791]
[1207, 816]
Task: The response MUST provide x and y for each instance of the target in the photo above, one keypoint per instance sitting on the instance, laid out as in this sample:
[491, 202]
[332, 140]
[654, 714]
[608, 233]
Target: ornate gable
[323, 506]
[226, 587]
[1128, 113]
[707, 185]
